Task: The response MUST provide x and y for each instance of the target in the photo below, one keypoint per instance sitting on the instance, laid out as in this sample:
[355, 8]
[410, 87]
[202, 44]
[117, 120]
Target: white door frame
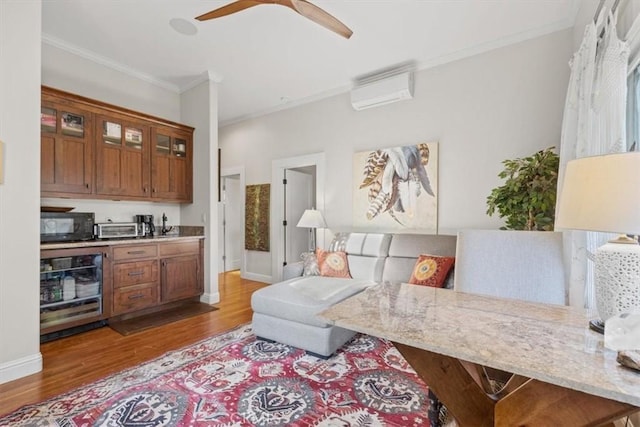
[277, 203]
[238, 170]
[297, 183]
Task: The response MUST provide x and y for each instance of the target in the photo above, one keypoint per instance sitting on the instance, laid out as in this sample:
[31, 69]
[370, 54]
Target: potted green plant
[527, 200]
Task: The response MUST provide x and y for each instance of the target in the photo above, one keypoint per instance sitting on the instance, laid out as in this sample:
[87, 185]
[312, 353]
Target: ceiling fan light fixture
[183, 26]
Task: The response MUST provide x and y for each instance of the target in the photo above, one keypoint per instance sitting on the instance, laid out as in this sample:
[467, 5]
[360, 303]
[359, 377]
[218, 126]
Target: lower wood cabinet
[149, 275]
[135, 286]
[181, 274]
[135, 297]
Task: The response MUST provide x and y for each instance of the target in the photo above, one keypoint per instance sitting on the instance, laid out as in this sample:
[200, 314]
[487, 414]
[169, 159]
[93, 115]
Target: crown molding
[424, 65]
[207, 76]
[496, 44]
[84, 53]
[286, 106]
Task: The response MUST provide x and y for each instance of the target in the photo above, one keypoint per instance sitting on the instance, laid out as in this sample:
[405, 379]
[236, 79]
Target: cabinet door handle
[136, 273]
[106, 255]
[144, 190]
[135, 252]
[87, 185]
[154, 190]
[138, 296]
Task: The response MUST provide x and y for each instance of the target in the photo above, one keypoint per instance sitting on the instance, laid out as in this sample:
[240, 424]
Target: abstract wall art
[396, 188]
[256, 223]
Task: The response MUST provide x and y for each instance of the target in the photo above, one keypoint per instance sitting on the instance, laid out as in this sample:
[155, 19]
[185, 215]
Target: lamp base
[617, 278]
[597, 325]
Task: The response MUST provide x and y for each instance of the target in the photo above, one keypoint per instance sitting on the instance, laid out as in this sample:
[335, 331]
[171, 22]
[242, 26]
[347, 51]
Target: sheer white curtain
[594, 123]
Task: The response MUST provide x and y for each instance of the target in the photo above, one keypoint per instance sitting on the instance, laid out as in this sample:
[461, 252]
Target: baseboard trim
[19, 368]
[210, 298]
[257, 277]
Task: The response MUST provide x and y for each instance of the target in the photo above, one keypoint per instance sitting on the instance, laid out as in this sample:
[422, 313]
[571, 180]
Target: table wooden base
[462, 388]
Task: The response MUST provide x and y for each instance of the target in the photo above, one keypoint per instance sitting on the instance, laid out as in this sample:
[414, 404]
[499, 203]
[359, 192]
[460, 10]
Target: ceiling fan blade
[319, 16]
[234, 7]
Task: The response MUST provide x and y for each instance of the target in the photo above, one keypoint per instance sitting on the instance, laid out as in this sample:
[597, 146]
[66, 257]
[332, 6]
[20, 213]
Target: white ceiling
[268, 57]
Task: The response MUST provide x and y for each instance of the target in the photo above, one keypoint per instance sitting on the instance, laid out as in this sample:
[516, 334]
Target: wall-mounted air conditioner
[381, 90]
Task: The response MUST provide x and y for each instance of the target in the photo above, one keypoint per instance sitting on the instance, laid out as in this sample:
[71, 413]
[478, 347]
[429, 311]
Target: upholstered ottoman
[286, 312]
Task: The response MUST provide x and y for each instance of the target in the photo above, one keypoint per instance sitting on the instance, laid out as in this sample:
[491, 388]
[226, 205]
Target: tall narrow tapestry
[396, 188]
[256, 222]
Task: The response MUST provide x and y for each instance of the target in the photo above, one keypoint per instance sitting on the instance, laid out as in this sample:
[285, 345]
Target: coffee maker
[147, 228]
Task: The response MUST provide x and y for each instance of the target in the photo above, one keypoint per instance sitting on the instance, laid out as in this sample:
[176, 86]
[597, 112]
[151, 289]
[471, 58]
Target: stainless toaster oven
[117, 230]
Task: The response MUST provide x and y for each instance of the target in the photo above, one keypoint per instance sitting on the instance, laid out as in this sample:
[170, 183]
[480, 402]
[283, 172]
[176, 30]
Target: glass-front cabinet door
[66, 149]
[171, 164]
[122, 148]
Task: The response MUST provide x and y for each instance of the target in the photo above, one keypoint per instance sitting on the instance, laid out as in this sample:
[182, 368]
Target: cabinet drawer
[179, 248]
[133, 273]
[134, 252]
[136, 297]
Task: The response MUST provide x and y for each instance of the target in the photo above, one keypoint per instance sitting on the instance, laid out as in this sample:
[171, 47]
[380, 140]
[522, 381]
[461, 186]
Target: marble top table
[548, 343]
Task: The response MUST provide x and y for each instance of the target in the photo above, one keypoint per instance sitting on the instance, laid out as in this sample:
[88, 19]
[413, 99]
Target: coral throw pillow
[431, 270]
[333, 264]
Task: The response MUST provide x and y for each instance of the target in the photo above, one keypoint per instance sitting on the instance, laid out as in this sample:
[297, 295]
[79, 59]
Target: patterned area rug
[235, 380]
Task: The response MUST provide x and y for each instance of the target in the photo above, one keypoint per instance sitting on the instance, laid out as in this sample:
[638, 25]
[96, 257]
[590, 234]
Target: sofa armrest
[292, 270]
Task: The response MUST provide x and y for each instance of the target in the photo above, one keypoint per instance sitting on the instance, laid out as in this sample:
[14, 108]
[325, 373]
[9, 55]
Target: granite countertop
[178, 233]
[546, 342]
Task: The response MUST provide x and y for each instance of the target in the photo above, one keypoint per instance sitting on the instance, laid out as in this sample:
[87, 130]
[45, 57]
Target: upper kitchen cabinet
[91, 149]
[122, 146]
[171, 164]
[66, 154]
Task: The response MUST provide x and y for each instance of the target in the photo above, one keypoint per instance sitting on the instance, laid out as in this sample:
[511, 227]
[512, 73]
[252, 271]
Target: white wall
[200, 110]
[82, 76]
[74, 73]
[498, 105]
[121, 211]
[20, 192]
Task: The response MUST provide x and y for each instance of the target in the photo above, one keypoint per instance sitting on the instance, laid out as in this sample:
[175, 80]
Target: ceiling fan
[302, 7]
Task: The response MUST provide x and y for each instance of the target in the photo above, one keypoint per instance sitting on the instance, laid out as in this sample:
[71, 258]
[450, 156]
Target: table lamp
[602, 193]
[312, 219]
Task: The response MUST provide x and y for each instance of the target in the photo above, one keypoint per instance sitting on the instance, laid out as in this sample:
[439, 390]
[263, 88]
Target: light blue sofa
[286, 311]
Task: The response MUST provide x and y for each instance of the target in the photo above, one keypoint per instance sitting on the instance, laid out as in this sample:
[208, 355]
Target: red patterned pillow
[431, 270]
[333, 264]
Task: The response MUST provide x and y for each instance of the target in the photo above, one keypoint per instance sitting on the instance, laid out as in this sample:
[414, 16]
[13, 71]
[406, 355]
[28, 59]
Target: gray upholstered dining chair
[524, 265]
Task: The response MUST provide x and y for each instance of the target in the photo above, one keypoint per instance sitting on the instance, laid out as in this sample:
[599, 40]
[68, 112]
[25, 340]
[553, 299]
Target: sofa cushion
[431, 270]
[333, 264]
[405, 248]
[368, 244]
[299, 299]
[412, 245]
[366, 267]
[339, 242]
[366, 253]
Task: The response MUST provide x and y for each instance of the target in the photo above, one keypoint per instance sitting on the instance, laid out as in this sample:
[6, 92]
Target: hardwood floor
[80, 359]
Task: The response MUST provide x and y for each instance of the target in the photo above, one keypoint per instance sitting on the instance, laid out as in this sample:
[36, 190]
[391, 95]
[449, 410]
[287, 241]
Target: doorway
[294, 166]
[299, 192]
[231, 221]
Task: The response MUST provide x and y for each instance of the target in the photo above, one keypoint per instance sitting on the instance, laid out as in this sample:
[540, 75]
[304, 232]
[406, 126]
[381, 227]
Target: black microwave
[66, 226]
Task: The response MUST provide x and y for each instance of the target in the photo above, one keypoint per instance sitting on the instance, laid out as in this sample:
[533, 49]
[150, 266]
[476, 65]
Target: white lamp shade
[312, 218]
[601, 193]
